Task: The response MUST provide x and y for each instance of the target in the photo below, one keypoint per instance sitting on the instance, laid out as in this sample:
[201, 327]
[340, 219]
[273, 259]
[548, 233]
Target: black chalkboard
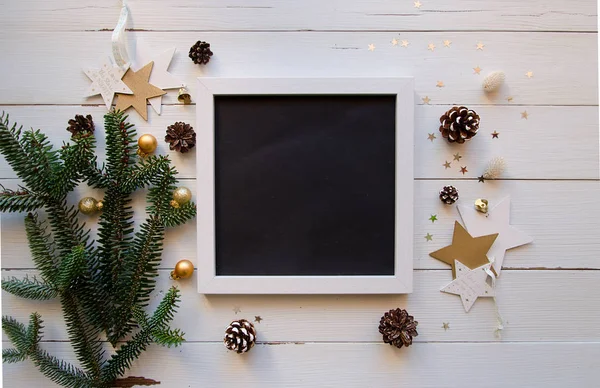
[305, 185]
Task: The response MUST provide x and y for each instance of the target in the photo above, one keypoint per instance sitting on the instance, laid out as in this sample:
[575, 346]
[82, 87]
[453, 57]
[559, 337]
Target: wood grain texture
[244, 15]
[557, 80]
[548, 365]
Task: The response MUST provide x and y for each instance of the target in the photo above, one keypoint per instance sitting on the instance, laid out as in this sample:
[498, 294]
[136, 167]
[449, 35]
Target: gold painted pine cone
[459, 124]
[240, 336]
[398, 328]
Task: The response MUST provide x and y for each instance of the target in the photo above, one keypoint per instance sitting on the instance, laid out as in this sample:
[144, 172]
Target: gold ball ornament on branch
[398, 328]
[89, 205]
[184, 269]
[181, 196]
[146, 144]
[240, 336]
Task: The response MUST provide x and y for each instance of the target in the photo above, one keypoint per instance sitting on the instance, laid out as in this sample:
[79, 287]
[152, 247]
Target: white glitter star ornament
[106, 81]
[470, 284]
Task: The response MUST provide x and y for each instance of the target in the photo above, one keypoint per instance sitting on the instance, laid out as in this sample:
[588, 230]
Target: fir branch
[179, 216]
[42, 250]
[16, 332]
[43, 157]
[29, 288]
[118, 364]
[168, 337]
[59, 371]
[145, 172]
[19, 201]
[12, 356]
[71, 267]
[120, 145]
[165, 311]
[76, 158]
[34, 331]
[67, 230]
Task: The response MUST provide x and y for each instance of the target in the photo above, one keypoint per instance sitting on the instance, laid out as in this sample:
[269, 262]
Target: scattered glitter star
[495, 135]
[446, 165]
[457, 156]
[440, 84]
[418, 4]
[237, 309]
[431, 137]
[445, 326]
[431, 46]
[404, 43]
[257, 318]
[480, 46]
[477, 70]
[371, 47]
[394, 42]
[426, 100]
[447, 43]
[480, 179]
[429, 237]
[524, 115]
[509, 98]
[433, 218]
[463, 170]
[529, 74]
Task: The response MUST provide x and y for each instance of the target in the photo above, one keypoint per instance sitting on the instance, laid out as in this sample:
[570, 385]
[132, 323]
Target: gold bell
[481, 205]
[184, 96]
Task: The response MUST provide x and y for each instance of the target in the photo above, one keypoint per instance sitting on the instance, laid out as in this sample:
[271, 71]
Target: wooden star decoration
[471, 251]
[433, 218]
[480, 46]
[257, 318]
[440, 84]
[464, 170]
[431, 137]
[394, 42]
[106, 81]
[417, 4]
[426, 100]
[529, 74]
[404, 43]
[431, 47]
[495, 134]
[428, 237]
[142, 91]
[457, 156]
[477, 70]
[524, 115]
[447, 43]
[371, 47]
[446, 165]
[470, 284]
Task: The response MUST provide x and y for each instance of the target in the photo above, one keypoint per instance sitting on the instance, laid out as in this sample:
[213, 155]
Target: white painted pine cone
[495, 168]
[240, 336]
[493, 81]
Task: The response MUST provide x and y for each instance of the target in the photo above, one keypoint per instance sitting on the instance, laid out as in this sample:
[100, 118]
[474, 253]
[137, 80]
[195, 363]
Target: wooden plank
[527, 300]
[353, 365]
[211, 15]
[557, 80]
[561, 216]
[544, 131]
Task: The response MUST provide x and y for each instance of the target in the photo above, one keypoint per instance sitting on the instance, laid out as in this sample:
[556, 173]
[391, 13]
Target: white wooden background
[548, 292]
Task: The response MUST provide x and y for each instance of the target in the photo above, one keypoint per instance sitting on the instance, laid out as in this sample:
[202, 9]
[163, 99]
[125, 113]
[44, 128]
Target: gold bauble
[147, 144]
[184, 96]
[174, 204]
[99, 205]
[182, 195]
[481, 205]
[183, 270]
[88, 205]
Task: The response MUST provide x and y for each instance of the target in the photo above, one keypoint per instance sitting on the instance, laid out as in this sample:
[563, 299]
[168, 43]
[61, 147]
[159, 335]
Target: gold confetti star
[495, 135]
[237, 309]
[524, 115]
[429, 237]
[418, 4]
[529, 74]
[257, 318]
[477, 70]
[446, 165]
[447, 43]
[480, 46]
[371, 47]
[394, 42]
[509, 98]
[457, 156]
[433, 218]
[431, 137]
[431, 46]
[463, 170]
[404, 43]
[445, 326]
[440, 84]
[426, 100]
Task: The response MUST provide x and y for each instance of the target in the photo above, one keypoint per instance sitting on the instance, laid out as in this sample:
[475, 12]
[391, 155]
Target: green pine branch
[19, 201]
[29, 288]
[42, 248]
[12, 356]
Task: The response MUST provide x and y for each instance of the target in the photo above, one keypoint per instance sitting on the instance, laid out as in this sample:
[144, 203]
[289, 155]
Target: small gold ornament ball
[99, 205]
[183, 270]
[182, 195]
[147, 144]
[88, 205]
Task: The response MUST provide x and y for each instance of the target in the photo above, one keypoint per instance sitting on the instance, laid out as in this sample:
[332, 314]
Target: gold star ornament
[428, 237]
[446, 165]
[426, 100]
[477, 70]
[371, 47]
[404, 43]
[440, 84]
[529, 74]
[418, 4]
[431, 136]
[137, 81]
[471, 251]
[480, 46]
[431, 46]
[394, 42]
[447, 43]
[524, 115]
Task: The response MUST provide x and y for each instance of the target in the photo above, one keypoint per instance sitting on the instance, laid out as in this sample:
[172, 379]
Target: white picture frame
[399, 283]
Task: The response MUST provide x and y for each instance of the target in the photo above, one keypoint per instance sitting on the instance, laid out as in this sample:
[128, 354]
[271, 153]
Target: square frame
[209, 282]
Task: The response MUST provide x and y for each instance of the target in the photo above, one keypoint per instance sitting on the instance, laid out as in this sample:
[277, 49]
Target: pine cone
[398, 328]
[459, 124]
[449, 195]
[200, 53]
[240, 336]
[81, 125]
[181, 137]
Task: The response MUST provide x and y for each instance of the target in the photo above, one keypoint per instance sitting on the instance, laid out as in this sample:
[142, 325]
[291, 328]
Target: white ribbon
[119, 45]
[499, 320]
